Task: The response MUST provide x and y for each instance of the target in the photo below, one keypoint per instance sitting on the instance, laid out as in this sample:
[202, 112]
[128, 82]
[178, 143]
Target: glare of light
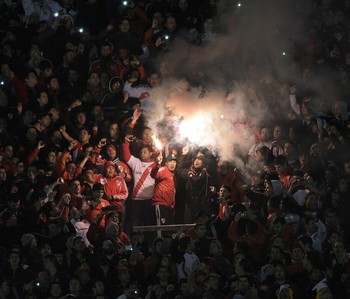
[239, 4]
[197, 129]
[157, 143]
[284, 53]
[221, 116]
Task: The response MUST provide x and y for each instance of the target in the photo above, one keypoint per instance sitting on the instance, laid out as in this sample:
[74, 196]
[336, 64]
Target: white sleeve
[252, 150]
[53, 5]
[127, 87]
[28, 7]
[322, 231]
[133, 162]
[293, 103]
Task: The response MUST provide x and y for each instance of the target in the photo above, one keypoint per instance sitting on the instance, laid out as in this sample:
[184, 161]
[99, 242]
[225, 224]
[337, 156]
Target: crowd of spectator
[85, 168]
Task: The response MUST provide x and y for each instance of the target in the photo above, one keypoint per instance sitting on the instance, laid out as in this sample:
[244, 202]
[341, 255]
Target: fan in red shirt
[96, 205]
[163, 199]
[116, 191]
[283, 170]
[227, 176]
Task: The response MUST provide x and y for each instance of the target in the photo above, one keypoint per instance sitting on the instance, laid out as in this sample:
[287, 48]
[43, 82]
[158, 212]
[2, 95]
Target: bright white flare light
[198, 129]
[239, 4]
[157, 143]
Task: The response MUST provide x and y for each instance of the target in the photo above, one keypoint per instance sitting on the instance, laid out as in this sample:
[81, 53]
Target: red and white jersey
[91, 214]
[143, 182]
[164, 193]
[224, 211]
[115, 187]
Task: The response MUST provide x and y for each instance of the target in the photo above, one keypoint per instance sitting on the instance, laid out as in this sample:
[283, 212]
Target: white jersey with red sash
[143, 182]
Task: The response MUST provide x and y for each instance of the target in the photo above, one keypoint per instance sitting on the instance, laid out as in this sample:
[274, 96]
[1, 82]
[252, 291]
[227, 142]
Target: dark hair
[82, 128]
[48, 79]
[110, 215]
[87, 145]
[281, 160]
[246, 265]
[274, 237]
[70, 182]
[282, 265]
[198, 225]
[150, 149]
[279, 220]
[305, 240]
[45, 64]
[113, 122]
[125, 18]
[267, 153]
[184, 242]
[36, 195]
[226, 187]
[315, 258]
[251, 227]
[146, 128]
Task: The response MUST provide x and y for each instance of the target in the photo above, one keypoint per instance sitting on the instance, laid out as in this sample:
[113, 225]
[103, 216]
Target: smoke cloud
[218, 94]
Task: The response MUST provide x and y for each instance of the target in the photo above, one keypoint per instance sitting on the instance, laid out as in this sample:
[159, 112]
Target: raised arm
[130, 128]
[126, 155]
[181, 170]
[35, 152]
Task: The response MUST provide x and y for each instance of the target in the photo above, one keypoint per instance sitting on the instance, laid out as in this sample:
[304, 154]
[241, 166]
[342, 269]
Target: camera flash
[284, 53]
[239, 4]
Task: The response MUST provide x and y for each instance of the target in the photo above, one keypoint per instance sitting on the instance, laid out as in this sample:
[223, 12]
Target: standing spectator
[126, 37]
[93, 92]
[7, 159]
[188, 264]
[105, 64]
[283, 170]
[121, 168]
[228, 176]
[143, 188]
[65, 167]
[198, 185]
[254, 235]
[114, 102]
[115, 188]
[163, 199]
[96, 205]
[264, 140]
[13, 271]
[44, 10]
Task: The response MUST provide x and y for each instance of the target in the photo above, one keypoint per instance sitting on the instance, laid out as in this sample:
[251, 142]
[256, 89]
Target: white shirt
[45, 9]
[190, 263]
[147, 188]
